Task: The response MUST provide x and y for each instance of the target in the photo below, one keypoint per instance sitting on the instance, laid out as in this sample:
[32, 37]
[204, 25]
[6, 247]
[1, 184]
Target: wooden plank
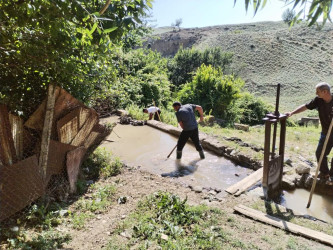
[20, 184]
[57, 159]
[245, 183]
[18, 134]
[296, 229]
[46, 135]
[86, 129]
[7, 149]
[70, 124]
[74, 160]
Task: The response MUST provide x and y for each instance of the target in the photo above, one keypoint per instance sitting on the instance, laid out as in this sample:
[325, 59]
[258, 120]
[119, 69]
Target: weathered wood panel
[18, 134]
[20, 184]
[245, 183]
[70, 124]
[74, 160]
[46, 135]
[87, 127]
[296, 229]
[7, 149]
[57, 159]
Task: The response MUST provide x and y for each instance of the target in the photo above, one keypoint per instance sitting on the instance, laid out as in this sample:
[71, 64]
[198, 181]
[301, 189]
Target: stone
[241, 127]
[288, 183]
[164, 237]
[197, 189]
[212, 192]
[288, 161]
[63, 212]
[303, 168]
[122, 200]
[89, 182]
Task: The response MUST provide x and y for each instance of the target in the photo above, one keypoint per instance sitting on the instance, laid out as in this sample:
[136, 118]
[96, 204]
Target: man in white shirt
[153, 111]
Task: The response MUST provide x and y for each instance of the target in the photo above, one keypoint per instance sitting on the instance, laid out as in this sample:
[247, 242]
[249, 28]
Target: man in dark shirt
[323, 103]
[186, 119]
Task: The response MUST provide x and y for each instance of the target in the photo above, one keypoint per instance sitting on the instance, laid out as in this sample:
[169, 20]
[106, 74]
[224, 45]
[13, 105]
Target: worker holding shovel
[323, 102]
[186, 119]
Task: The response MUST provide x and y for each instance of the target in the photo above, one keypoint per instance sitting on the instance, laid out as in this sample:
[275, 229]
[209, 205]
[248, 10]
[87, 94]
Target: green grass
[99, 199]
[164, 221]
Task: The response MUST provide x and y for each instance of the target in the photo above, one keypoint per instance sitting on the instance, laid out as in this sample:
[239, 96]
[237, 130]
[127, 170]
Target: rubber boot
[179, 154]
[202, 155]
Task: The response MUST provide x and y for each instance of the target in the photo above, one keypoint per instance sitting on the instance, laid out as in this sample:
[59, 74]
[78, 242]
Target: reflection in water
[321, 205]
[148, 147]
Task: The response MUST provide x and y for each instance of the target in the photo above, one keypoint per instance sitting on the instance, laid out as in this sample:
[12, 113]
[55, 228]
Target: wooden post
[266, 156]
[7, 149]
[47, 128]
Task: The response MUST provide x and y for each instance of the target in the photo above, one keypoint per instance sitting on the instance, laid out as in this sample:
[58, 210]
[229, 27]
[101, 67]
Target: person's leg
[323, 166]
[195, 138]
[156, 116]
[330, 146]
[183, 137]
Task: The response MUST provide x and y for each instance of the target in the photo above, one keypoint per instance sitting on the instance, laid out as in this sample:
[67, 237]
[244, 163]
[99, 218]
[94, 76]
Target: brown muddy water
[148, 148]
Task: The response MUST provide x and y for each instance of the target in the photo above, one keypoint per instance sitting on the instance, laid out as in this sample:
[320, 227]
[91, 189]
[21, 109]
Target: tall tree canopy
[61, 41]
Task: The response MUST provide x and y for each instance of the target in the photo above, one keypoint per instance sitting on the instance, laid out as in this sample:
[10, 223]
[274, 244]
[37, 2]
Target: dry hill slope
[265, 54]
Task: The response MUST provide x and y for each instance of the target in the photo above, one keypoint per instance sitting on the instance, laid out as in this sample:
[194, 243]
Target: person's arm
[150, 116]
[297, 110]
[181, 124]
[200, 110]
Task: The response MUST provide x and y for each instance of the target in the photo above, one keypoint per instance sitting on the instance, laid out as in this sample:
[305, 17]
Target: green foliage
[250, 110]
[187, 61]
[46, 240]
[212, 90]
[143, 77]
[101, 163]
[317, 9]
[100, 198]
[183, 226]
[63, 42]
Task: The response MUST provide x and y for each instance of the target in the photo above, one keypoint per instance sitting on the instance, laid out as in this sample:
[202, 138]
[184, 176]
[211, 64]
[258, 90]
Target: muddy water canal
[148, 148]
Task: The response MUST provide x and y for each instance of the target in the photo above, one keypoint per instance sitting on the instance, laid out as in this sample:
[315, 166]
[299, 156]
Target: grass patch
[164, 221]
[99, 198]
[101, 163]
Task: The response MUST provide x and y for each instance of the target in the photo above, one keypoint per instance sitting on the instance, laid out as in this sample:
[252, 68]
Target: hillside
[265, 54]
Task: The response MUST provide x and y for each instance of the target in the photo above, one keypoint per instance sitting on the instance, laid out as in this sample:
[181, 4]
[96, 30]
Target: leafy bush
[212, 90]
[143, 78]
[101, 163]
[187, 61]
[251, 110]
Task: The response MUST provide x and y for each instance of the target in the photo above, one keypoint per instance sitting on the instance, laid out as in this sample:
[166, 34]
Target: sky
[201, 13]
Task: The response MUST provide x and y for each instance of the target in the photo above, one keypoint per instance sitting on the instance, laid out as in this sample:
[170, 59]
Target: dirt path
[135, 185]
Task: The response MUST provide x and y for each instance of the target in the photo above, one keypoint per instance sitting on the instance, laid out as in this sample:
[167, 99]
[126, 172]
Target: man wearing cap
[323, 102]
[186, 119]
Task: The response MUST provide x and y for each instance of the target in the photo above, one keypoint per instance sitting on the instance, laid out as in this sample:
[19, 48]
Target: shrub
[101, 164]
[251, 110]
[212, 90]
[187, 61]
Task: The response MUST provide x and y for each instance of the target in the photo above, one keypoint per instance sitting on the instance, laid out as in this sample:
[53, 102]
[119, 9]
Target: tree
[288, 16]
[177, 23]
[66, 42]
[317, 8]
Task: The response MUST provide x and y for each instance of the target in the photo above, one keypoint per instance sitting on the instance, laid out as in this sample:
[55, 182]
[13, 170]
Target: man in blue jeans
[186, 119]
[323, 102]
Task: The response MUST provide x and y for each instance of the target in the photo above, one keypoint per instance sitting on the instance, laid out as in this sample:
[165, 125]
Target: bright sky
[201, 13]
